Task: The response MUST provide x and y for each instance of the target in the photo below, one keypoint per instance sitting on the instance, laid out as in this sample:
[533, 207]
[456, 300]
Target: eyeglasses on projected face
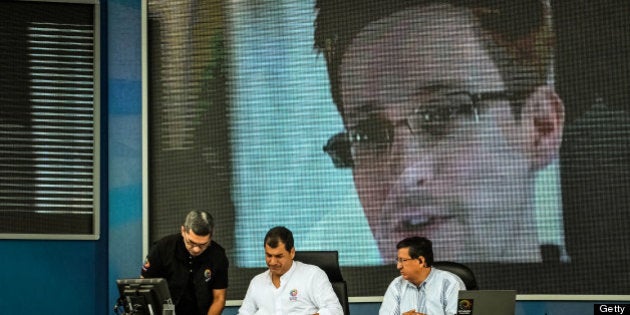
[439, 117]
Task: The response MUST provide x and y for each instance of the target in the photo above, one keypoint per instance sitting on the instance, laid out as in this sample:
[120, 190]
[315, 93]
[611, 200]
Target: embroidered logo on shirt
[146, 265]
[293, 295]
[207, 274]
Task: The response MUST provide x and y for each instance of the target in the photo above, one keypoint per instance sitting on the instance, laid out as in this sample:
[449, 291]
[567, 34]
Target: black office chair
[329, 262]
[462, 271]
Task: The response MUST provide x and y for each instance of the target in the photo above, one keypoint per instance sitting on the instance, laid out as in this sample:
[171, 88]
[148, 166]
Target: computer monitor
[486, 302]
[145, 296]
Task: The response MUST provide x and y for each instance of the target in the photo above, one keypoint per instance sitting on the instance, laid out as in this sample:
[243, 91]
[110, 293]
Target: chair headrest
[326, 260]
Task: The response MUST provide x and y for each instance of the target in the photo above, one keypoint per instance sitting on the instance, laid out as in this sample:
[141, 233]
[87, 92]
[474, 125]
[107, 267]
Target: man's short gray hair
[200, 222]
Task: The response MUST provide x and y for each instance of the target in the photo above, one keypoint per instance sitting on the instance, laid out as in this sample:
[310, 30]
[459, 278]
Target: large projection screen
[240, 108]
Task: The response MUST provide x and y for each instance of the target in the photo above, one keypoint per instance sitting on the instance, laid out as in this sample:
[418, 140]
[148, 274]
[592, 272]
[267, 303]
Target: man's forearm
[218, 302]
[216, 308]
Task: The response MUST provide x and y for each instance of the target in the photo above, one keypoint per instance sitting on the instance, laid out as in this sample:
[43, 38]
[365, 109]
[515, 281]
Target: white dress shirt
[304, 289]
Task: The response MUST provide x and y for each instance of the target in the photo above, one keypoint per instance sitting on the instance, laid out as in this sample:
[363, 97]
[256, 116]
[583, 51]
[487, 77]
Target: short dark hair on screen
[519, 29]
[200, 222]
[279, 234]
[418, 246]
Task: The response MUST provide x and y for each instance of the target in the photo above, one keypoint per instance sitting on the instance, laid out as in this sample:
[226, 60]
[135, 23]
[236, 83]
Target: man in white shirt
[420, 289]
[288, 287]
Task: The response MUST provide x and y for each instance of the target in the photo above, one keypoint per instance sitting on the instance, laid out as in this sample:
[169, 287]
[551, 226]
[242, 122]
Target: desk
[526, 304]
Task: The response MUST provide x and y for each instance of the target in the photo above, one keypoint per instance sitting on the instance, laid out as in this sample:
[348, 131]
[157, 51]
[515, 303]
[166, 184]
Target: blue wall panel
[76, 277]
[48, 277]
[125, 141]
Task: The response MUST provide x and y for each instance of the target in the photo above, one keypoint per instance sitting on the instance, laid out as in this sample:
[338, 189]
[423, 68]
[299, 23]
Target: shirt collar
[180, 249]
[285, 275]
[429, 278]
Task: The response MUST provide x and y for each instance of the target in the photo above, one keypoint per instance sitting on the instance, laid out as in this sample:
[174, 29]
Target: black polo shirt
[190, 279]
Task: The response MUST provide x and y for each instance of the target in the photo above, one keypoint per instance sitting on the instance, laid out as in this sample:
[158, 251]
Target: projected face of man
[428, 163]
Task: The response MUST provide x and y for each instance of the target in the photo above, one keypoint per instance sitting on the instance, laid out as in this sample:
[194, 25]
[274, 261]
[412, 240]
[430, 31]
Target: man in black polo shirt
[195, 267]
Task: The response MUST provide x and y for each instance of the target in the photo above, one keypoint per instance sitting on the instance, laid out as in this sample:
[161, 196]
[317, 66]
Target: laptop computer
[486, 302]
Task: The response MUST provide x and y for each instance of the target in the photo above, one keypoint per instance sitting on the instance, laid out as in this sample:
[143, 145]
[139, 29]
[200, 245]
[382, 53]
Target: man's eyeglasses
[190, 244]
[433, 120]
[402, 260]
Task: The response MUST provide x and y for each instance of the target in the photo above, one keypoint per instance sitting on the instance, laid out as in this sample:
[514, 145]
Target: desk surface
[526, 304]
